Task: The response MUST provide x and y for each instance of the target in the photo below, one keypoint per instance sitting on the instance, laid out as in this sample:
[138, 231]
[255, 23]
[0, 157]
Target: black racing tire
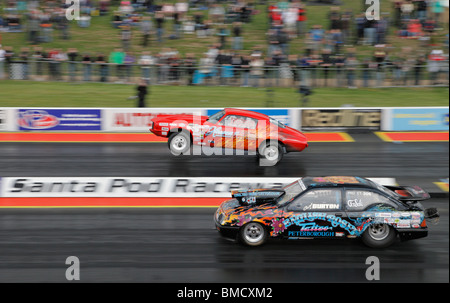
[379, 235]
[253, 234]
[179, 143]
[270, 153]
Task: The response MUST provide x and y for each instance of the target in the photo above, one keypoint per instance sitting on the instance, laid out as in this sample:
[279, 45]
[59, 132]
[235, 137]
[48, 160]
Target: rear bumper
[412, 233]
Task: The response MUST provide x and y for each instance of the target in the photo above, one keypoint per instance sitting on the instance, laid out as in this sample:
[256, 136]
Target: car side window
[358, 200]
[317, 200]
[239, 122]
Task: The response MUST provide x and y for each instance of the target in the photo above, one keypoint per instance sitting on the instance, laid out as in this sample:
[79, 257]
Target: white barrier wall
[306, 119]
[113, 187]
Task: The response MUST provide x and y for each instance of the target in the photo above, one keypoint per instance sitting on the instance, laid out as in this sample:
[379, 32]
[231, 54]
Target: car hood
[256, 197]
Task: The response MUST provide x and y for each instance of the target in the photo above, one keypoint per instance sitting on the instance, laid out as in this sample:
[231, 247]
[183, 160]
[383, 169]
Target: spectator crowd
[329, 55]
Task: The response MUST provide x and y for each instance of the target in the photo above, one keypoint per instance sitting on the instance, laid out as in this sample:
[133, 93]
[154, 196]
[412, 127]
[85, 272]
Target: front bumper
[228, 232]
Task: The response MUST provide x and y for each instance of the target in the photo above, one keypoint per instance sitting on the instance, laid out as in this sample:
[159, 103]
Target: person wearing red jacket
[301, 19]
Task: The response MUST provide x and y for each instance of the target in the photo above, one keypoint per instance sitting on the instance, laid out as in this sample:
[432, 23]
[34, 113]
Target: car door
[233, 132]
[243, 132]
[317, 213]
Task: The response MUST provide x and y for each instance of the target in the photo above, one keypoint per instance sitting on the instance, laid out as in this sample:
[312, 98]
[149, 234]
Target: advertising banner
[340, 119]
[113, 187]
[59, 119]
[419, 119]
[3, 125]
[138, 120]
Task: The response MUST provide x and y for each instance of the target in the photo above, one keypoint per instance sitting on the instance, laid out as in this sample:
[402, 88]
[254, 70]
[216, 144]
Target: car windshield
[277, 123]
[291, 191]
[216, 117]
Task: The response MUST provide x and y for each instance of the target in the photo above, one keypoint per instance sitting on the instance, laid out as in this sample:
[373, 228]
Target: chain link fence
[284, 75]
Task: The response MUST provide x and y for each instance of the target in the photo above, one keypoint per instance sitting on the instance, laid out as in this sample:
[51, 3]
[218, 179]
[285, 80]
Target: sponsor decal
[59, 119]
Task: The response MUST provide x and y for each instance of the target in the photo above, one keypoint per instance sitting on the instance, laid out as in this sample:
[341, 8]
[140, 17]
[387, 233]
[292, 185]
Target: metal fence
[430, 74]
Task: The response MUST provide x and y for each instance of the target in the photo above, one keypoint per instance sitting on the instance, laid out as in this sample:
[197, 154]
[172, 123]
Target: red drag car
[230, 128]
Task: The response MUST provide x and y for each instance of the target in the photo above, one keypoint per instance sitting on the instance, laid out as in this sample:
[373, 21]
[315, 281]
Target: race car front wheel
[271, 153]
[379, 235]
[179, 143]
[253, 234]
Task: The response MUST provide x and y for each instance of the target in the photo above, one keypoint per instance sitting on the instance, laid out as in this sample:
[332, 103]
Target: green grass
[47, 94]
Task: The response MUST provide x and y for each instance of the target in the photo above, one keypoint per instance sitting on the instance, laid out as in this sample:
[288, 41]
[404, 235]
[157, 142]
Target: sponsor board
[114, 187]
[419, 119]
[340, 119]
[3, 124]
[139, 120]
[59, 119]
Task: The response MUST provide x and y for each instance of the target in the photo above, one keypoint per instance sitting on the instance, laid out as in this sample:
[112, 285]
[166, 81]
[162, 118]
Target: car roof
[246, 113]
[337, 181]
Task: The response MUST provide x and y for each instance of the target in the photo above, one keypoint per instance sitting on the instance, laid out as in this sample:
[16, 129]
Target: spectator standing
[87, 67]
[317, 36]
[283, 40]
[437, 9]
[326, 64]
[237, 36]
[335, 18]
[418, 69]
[379, 58]
[2, 63]
[301, 19]
[351, 64]
[102, 67]
[142, 91]
[206, 68]
[422, 7]
[407, 9]
[129, 61]
[146, 61]
[190, 63]
[146, 27]
[256, 69]
[245, 71]
[125, 36]
[33, 28]
[159, 19]
[117, 58]
[217, 13]
[223, 33]
[72, 55]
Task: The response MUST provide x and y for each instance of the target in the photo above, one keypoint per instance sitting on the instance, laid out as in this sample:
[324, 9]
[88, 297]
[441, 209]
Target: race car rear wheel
[253, 234]
[379, 235]
[271, 153]
[179, 143]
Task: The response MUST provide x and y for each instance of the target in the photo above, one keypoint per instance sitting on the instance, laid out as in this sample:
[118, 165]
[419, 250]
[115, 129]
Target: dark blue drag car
[327, 207]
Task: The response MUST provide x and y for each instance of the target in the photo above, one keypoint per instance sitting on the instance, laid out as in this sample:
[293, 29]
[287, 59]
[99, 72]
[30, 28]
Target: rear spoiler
[410, 193]
[257, 196]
